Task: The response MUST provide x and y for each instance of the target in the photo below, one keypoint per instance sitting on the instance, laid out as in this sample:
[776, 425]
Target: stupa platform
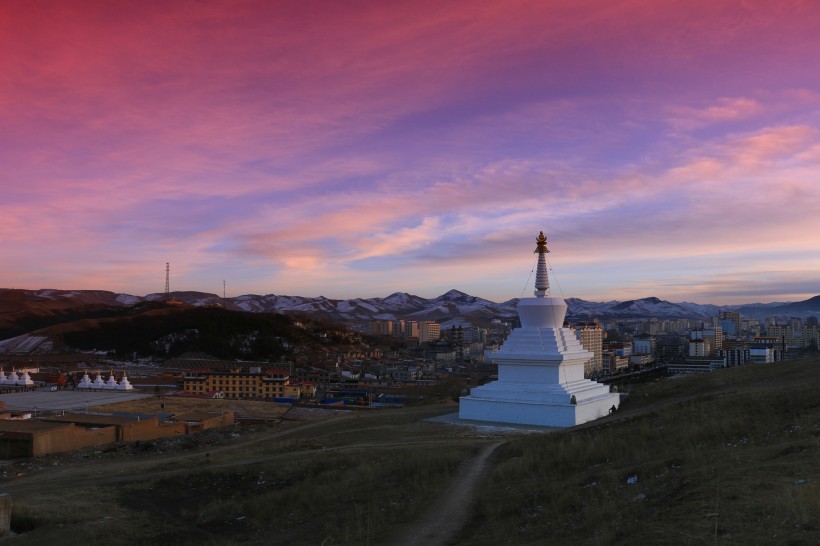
[542, 405]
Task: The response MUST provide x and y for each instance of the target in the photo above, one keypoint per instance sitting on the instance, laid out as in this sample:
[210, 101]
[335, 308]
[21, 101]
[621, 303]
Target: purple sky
[667, 149]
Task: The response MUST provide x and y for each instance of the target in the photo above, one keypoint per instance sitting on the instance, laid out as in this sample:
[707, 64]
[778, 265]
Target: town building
[614, 363]
[763, 354]
[429, 331]
[786, 335]
[749, 328]
[640, 361]
[591, 336]
[424, 331]
[699, 347]
[736, 356]
[694, 365]
[810, 336]
[643, 346]
[238, 384]
[730, 323]
[706, 341]
[411, 328]
[70, 431]
[381, 327]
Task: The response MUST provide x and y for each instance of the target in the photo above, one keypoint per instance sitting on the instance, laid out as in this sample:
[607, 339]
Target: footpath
[448, 515]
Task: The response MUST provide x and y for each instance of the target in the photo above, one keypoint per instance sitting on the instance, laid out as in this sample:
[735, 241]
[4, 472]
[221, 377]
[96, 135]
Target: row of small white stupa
[111, 384]
[23, 379]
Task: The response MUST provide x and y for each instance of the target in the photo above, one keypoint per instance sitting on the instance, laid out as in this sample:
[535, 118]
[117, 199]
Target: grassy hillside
[725, 458]
[348, 479]
[172, 331]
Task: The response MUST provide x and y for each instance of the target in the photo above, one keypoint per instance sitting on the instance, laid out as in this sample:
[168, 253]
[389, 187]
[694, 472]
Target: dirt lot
[65, 399]
[131, 402]
[173, 404]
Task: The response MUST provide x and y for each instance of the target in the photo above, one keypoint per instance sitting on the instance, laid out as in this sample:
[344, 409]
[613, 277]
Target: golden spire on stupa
[541, 244]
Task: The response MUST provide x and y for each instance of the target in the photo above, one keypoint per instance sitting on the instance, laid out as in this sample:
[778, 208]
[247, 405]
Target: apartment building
[591, 336]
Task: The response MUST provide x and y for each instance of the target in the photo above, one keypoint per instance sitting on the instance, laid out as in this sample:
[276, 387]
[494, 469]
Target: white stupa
[111, 383]
[25, 379]
[540, 369]
[98, 382]
[125, 385]
[85, 382]
[2, 377]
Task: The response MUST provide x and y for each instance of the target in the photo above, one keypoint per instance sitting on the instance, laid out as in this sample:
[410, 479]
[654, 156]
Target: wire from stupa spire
[526, 284]
[554, 276]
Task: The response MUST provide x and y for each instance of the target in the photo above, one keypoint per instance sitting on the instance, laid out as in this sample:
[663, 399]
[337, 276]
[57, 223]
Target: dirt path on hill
[446, 517]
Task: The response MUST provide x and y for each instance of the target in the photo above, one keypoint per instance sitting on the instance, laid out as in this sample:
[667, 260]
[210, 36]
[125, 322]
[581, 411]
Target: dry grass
[348, 480]
[341, 498]
[737, 466]
[725, 458]
[245, 408]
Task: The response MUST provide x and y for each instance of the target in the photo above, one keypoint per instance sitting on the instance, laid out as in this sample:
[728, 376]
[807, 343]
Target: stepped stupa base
[547, 410]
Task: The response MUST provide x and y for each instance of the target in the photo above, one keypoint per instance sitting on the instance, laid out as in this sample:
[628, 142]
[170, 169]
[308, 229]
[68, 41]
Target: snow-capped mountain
[395, 306]
[398, 305]
[653, 307]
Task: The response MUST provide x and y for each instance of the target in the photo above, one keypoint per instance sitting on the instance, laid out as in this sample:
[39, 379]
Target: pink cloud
[772, 144]
[725, 109]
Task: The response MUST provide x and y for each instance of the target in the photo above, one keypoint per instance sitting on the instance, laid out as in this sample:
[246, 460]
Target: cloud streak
[360, 149]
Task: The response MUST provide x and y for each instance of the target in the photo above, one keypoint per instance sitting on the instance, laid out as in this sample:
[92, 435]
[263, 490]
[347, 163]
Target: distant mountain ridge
[398, 305]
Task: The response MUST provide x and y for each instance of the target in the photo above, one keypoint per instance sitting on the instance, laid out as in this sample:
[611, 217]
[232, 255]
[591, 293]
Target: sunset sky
[355, 149]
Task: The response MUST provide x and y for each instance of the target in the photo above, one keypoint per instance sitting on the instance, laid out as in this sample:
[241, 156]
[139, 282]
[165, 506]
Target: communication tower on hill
[167, 281]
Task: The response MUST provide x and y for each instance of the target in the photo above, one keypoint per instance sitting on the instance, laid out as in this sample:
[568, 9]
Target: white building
[762, 354]
[643, 346]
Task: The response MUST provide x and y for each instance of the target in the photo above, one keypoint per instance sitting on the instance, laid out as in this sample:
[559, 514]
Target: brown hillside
[18, 304]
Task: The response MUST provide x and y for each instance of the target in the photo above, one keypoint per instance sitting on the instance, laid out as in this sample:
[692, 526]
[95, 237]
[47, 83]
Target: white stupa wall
[510, 371]
[533, 313]
[544, 413]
